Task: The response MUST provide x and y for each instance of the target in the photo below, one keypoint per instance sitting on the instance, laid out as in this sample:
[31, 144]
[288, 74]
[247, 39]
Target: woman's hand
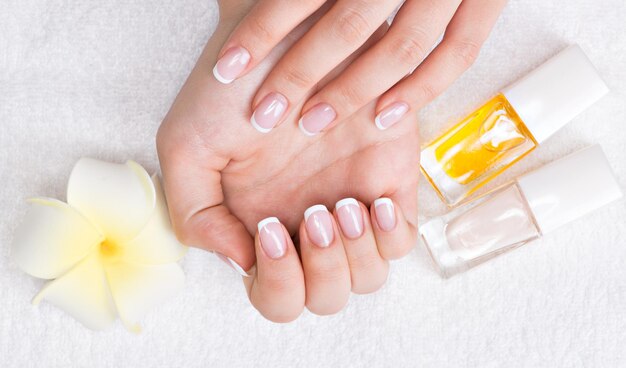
[382, 70]
[221, 181]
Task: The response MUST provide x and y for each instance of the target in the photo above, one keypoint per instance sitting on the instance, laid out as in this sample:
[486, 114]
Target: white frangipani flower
[110, 250]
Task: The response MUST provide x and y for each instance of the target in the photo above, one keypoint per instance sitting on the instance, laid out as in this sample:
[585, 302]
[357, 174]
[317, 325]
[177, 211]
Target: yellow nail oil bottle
[511, 125]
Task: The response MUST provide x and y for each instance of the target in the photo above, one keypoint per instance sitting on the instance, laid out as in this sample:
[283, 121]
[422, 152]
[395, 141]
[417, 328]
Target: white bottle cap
[556, 92]
[569, 188]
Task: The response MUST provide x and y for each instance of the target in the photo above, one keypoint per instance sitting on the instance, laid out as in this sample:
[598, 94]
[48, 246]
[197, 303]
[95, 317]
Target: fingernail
[231, 65]
[319, 225]
[316, 119]
[350, 217]
[385, 214]
[269, 112]
[391, 115]
[272, 237]
[232, 264]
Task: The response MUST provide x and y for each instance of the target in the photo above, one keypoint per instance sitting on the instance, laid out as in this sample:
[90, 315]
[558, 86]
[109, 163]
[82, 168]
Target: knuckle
[427, 91]
[352, 26]
[297, 78]
[369, 276]
[366, 263]
[465, 52]
[283, 282]
[327, 272]
[410, 49]
[396, 250]
[183, 233]
[261, 31]
[350, 96]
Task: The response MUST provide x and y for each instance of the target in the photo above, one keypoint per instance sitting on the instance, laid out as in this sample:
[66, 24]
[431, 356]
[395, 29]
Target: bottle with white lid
[511, 125]
[522, 211]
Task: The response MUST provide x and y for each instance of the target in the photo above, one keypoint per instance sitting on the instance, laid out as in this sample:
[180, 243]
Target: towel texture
[94, 78]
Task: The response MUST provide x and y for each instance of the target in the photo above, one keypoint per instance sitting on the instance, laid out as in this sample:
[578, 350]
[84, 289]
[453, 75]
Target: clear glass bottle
[511, 125]
[520, 212]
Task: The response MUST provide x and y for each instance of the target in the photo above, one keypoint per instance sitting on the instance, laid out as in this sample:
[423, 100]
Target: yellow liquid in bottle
[480, 147]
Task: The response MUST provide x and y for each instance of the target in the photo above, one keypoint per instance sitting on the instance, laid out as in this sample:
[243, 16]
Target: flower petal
[83, 293]
[156, 243]
[52, 238]
[138, 288]
[118, 198]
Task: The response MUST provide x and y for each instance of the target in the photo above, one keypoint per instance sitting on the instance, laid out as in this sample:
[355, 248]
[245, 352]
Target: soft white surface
[93, 78]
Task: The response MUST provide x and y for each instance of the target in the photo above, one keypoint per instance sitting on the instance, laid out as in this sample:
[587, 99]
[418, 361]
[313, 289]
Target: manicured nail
[385, 214]
[316, 119]
[232, 264]
[391, 115]
[319, 225]
[350, 217]
[269, 112]
[231, 65]
[272, 237]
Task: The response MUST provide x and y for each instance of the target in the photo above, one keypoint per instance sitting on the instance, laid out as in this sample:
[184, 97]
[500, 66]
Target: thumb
[192, 185]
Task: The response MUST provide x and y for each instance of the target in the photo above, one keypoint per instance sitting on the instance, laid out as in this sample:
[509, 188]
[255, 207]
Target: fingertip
[272, 239]
[277, 290]
[384, 212]
[394, 235]
[391, 115]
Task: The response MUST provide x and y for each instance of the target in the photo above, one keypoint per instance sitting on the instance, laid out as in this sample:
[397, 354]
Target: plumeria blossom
[109, 251]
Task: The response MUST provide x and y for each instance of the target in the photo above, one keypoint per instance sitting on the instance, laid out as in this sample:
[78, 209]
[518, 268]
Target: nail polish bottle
[511, 125]
[520, 212]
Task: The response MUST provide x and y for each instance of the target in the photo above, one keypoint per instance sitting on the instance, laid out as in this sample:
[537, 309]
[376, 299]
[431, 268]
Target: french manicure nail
[272, 237]
[231, 65]
[269, 112]
[316, 119]
[385, 214]
[391, 115]
[319, 225]
[232, 264]
[350, 217]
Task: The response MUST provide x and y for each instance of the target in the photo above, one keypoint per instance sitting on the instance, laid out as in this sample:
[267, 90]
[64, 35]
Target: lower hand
[222, 177]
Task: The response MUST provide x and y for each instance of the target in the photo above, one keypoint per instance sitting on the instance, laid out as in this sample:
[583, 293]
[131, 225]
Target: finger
[271, 110]
[276, 288]
[259, 32]
[414, 31]
[368, 270]
[395, 236]
[195, 197]
[338, 34]
[326, 270]
[463, 39]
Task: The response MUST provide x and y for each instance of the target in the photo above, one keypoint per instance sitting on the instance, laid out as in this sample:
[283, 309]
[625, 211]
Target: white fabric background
[93, 78]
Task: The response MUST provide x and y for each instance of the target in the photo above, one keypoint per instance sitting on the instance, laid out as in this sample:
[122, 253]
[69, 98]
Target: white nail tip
[237, 268]
[345, 202]
[233, 264]
[306, 132]
[219, 77]
[311, 210]
[379, 125]
[258, 127]
[383, 201]
[269, 220]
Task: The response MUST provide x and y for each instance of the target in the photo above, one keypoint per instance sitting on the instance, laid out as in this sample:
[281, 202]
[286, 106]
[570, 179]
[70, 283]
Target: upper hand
[385, 69]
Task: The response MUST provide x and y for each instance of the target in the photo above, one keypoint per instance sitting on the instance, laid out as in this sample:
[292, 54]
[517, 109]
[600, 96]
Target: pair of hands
[222, 177]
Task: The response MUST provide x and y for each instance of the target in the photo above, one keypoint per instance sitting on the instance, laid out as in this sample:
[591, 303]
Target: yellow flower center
[110, 250]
